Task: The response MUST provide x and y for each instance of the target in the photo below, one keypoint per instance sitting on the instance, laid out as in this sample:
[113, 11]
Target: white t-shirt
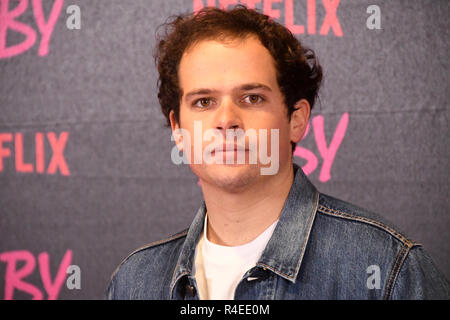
[219, 269]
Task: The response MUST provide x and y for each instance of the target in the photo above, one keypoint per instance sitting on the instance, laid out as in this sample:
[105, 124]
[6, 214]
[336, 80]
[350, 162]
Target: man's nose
[228, 116]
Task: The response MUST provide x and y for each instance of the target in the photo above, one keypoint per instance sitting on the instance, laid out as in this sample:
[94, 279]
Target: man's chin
[231, 178]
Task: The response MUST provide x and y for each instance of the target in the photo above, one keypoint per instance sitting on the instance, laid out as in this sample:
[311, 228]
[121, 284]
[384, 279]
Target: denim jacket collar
[285, 249]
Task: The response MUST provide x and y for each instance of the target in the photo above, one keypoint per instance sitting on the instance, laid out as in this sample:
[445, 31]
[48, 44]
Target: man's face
[228, 86]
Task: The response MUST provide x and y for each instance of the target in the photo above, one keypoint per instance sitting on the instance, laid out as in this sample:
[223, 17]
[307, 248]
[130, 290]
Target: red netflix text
[13, 143]
[329, 23]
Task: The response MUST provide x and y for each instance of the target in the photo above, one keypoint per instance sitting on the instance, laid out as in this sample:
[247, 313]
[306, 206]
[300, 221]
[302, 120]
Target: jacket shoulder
[344, 210]
[164, 242]
[145, 254]
[368, 240]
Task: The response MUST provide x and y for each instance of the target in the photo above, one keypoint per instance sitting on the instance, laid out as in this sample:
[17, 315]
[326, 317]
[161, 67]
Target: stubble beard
[229, 178]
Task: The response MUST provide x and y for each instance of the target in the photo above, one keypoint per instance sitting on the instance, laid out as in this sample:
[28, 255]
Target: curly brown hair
[299, 73]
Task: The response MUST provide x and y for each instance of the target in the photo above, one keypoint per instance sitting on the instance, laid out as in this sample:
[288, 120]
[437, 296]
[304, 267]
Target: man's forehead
[232, 64]
[212, 49]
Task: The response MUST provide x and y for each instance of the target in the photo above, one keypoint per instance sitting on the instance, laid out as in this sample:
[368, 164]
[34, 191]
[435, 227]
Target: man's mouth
[230, 148]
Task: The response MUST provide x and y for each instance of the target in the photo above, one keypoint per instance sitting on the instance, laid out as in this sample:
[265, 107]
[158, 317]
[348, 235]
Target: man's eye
[253, 99]
[202, 103]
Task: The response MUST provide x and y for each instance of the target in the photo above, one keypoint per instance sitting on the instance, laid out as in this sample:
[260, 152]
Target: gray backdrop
[88, 171]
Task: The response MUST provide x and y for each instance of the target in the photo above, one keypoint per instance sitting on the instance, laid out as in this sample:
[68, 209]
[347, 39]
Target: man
[263, 230]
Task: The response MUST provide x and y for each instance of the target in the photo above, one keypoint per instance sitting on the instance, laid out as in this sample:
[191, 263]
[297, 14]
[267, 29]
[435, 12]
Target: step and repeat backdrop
[85, 169]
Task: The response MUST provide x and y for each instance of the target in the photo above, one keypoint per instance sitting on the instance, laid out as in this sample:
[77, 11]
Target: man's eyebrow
[252, 86]
[199, 92]
[243, 87]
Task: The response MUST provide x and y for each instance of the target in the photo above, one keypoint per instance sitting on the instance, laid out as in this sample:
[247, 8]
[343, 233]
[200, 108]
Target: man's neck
[238, 218]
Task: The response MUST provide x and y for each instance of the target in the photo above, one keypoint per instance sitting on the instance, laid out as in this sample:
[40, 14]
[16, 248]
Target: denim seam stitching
[391, 275]
[274, 270]
[396, 270]
[158, 242]
[155, 243]
[396, 234]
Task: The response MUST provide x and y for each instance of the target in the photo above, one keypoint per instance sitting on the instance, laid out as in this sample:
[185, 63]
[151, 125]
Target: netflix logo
[13, 144]
[301, 24]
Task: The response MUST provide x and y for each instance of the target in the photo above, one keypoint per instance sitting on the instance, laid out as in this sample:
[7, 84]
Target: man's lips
[230, 148]
[234, 147]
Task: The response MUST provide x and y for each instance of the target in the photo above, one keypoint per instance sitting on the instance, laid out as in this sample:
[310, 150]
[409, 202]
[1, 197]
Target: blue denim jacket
[321, 248]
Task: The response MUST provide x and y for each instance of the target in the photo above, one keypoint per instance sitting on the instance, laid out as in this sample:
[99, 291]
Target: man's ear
[299, 120]
[176, 131]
